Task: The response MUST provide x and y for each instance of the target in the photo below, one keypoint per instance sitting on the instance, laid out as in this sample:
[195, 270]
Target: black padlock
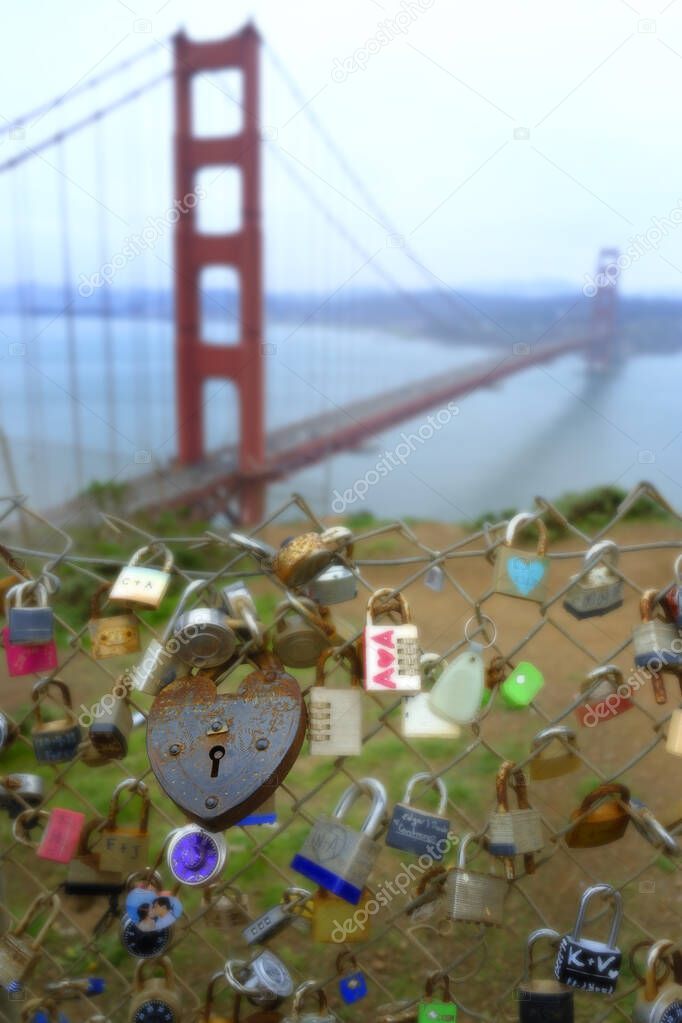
[542, 1001]
[586, 964]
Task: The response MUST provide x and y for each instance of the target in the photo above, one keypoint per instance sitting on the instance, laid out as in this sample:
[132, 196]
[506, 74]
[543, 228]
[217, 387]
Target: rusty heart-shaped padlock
[218, 756]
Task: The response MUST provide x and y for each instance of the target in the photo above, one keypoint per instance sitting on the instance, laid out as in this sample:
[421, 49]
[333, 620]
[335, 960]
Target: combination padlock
[113, 636]
[140, 584]
[515, 832]
[601, 818]
[126, 848]
[586, 964]
[337, 857]
[29, 624]
[194, 855]
[54, 742]
[138, 933]
[303, 631]
[656, 642]
[18, 951]
[303, 991]
[157, 999]
[160, 661]
[335, 715]
[474, 896]
[606, 695]
[418, 719]
[418, 831]
[543, 767]
[658, 1002]
[546, 1000]
[352, 982]
[518, 573]
[288, 910]
[437, 1010]
[391, 651]
[598, 589]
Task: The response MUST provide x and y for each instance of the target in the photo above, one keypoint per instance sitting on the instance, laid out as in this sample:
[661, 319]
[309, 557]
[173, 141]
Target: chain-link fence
[446, 575]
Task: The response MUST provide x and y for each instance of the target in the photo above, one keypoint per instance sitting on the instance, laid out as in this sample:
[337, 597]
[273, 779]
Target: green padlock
[432, 1011]
[522, 686]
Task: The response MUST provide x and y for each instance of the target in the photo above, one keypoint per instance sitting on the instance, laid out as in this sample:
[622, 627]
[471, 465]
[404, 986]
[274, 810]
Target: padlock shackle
[210, 997]
[15, 595]
[163, 963]
[309, 987]
[154, 550]
[438, 979]
[462, 854]
[509, 770]
[522, 519]
[41, 688]
[647, 605]
[394, 604]
[546, 735]
[605, 552]
[149, 879]
[604, 793]
[533, 938]
[604, 673]
[32, 912]
[617, 899]
[650, 980]
[434, 782]
[349, 656]
[20, 826]
[97, 600]
[136, 787]
[652, 829]
[377, 793]
[190, 590]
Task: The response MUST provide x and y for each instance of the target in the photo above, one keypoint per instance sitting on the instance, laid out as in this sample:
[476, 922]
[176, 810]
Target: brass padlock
[54, 742]
[126, 849]
[335, 715]
[334, 920]
[226, 909]
[514, 832]
[84, 875]
[601, 817]
[140, 584]
[300, 559]
[518, 573]
[543, 767]
[157, 998]
[660, 1001]
[115, 635]
[322, 1015]
[18, 951]
[303, 631]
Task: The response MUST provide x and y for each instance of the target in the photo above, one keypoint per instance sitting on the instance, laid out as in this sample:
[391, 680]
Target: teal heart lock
[520, 573]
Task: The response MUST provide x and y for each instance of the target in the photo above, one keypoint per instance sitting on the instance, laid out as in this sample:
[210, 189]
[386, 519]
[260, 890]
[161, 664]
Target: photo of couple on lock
[151, 910]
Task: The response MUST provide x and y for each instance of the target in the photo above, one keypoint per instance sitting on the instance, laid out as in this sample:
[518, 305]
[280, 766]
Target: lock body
[114, 636]
[56, 742]
[474, 897]
[141, 585]
[302, 633]
[335, 922]
[111, 728]
[666, 1007]
[588, 965]
[205, 637]
[432, 1011]
[597, 593]
[333, 586]
[655, 642]
[30, 626]
[337, 858]
[195, 856]
[143, 944]
[458, 691]
[29, 659]
[353, 987]
[392, 659]
[419, 720]
[418, 832]
[60, 839]
[518, 573]
[545, 1001]
[604, 824]
[521, 687]
[335, 722]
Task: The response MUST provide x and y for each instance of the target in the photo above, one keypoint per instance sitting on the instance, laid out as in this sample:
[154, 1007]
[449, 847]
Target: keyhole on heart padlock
[216, 754]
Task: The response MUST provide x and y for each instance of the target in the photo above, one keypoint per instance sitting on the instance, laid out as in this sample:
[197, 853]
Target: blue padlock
[32, 625]
[352, 981]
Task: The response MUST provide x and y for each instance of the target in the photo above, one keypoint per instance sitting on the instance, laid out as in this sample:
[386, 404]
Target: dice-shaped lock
[514, 832]
[391, 650]
[337, 857]
[586, 964]
[141, 584]
[419, 831]
[518, 573]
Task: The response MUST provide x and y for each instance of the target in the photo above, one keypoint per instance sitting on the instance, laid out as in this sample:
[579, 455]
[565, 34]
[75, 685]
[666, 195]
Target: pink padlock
[29, 659]
[61, 836]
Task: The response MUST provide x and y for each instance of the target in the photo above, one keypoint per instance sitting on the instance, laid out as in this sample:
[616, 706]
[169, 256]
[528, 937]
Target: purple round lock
[194, 855]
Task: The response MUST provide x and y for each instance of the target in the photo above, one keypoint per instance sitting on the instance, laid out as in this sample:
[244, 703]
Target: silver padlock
[337, 857]
[194, 855]
[206, 637]
[472, 896]
[598, 589]
[160, 662]
[263, 980]
[20, 791]
[333, 586]
[240, 604]
[514, 832]
[274, 920]
[323, 1015]
[655, 640]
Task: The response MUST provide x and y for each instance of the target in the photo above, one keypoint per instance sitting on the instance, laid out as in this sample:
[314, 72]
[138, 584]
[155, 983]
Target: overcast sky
[502, 142]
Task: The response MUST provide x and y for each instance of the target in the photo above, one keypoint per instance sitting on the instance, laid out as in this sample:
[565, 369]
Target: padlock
[472, 896]
[26, 659]
[651, 829]
[598, 589]
[337, 857]
[671, 601]
[264, 979]
[8, 732]
[335, 715]
[194, 855]
[303, 991]
[274, 920]
[226, 909]
[29, 625]
[139, 936]
[605, 696]
[113, 636]
[207, 1013]
[521, 686]
[156, 1000]
[655, 641]
[418, 831]
[206, 637]
[264, 815]
[333, 586]
[584, 963]
[85, 876]
[112, 722]
[391, 651]
[239, 603]
[303, 631]
[140, 584]
[160, 661]
[219, 756]
[518, 573]
[542, 767]
[334, 921]
[418, 719]
[514, 832]
[125, 848]
[21, 792]
[352, 981]
[601, 818]
[546, 1000]
[433, 1010]
[18, 951]
[54, 742]
[300, 559]
[457, 693]
[59, 841]
[658, 1002]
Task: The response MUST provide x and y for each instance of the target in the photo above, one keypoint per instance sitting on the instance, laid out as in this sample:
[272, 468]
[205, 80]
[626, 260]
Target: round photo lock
[151, 910]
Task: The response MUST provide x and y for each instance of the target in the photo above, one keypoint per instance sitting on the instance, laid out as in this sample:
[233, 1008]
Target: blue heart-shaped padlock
[525, 575]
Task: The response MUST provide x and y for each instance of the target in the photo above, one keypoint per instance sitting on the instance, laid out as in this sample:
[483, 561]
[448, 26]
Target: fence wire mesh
[402, 948]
